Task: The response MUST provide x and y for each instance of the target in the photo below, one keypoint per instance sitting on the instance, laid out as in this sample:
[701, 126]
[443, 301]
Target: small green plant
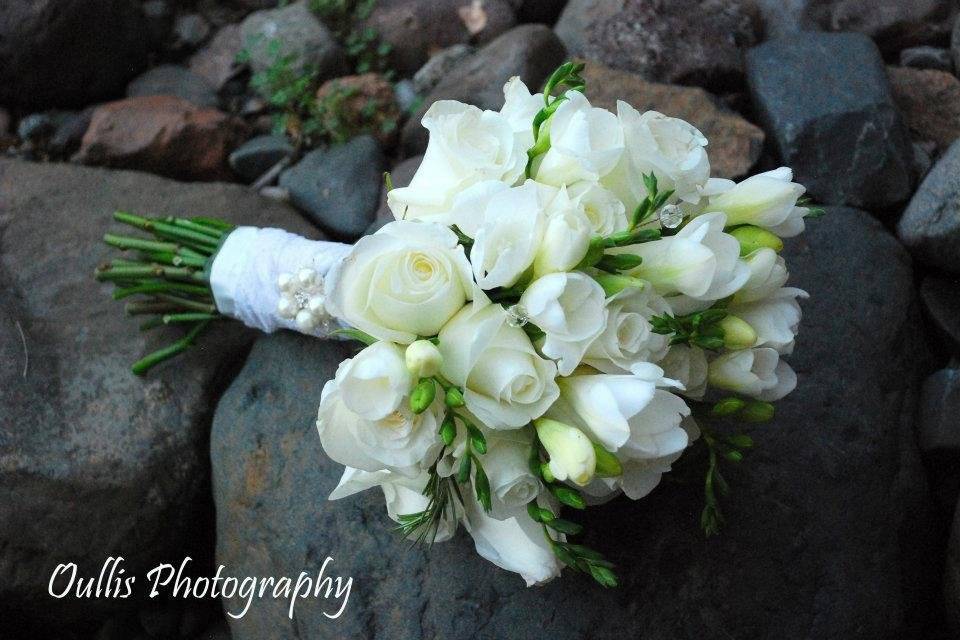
[363, 46]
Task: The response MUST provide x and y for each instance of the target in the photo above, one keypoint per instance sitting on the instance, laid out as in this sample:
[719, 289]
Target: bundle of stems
[169, 273]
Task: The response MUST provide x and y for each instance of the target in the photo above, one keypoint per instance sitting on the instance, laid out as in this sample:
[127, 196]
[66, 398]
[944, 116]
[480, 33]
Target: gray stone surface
[828, 524]
[893, 24]
[69, 53]
[951, 576]
[258, 155]
[825, 101]
[941, 299]
[174, 80]
[439, 66]
[338, 187]
[691, 42]
[94, 461]
[939, 416]
[292, 30]
[530, 51]
[930, 226]
[578, 16]
[925, 57]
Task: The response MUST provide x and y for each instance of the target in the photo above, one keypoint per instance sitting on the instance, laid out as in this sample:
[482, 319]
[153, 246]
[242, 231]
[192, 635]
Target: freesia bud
[423, 395]
[571, 452]
[767, 200]
[608, 465]
[757, 412]
[752, 238]
[448, 430]
[423, 359]
[454, 398]
[727, 406]
[613, 283]
[737, 334]
[620, 262]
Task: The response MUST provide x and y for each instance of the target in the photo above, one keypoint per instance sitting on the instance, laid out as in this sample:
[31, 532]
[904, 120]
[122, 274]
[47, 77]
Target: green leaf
[355, 334]
[565, 526]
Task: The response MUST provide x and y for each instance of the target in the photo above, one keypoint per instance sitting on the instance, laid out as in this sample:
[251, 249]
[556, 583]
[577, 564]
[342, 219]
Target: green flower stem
[152, 323]
[149, 308]
[181, 345]
[216, 234]
[187, 303]
[160, 287]
[188, 317]
[169, 231]
[149, 271]
[214, 223]
[126, 242]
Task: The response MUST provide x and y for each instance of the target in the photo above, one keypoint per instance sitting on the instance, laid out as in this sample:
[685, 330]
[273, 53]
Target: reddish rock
[929, 101]
[357, 105]
[735, 144]
[216, 63]
[161, 134]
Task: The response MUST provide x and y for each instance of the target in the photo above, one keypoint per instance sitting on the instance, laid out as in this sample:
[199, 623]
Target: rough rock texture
[825, 100]
[94, 461]
[782, 18]
[362, 104]
[893, 24]
[927, 58]
[439, 66]
[174, 80]
[696, 42]
[415, 29]
[258, 155]
[939, 432]
[216, 63]
[735, 144]
[941, 299]
[929, 102]
[930, 226]
[295, 31]
[164, 135]
[951, 576]
[573, 24]
[338, 187]
[69, 52]
[832, 498]
[530, 51]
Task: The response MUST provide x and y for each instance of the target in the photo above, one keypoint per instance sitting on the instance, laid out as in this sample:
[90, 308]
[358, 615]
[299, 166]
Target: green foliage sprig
[701, 329]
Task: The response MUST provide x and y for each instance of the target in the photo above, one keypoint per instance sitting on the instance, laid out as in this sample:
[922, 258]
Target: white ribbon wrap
[244, 274]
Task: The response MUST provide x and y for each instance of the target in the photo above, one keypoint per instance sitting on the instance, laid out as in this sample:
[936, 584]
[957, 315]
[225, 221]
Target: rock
[735, 144]
[439, 66]
[782, 18]
[415, 29]
[893, 24]
[530, 51]
[69, 53]
[542, 11]
[294, 31]
[406, 94]
[174, 80]
[161, 134]
[922, 160]
[400, 175]
[939, 408]
[930, 226]
[578, 16]
[951, 577]
[258, 155]
[158, 15]
[36, 126]
[833, 497]
[69, 133]
[955, 44]
[95, 462]
[929, 102]
[936, 58]
[941, 298]
[845, 141]
[216, 63]
[337, 188]
[190, 31]
[4, 122]
[357, 105]
[695, 42]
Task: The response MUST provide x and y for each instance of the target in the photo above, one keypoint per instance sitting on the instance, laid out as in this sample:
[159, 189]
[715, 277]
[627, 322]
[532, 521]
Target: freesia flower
[766, 200]
[775, 318]
[758, 373]
[571, 453]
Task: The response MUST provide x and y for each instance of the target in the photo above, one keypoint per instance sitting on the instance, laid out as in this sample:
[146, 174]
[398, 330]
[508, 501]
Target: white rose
[566, 237]
[670, 148]
[400, 442]
[516, 543]
[520, 107]
[404, 281]
[570, 309]
[403, 496]
[507, 243]
[628, 337]
[758, 373]
[602, 208]
[375, 382]
[466, 146]
[506, 383]
[767, 200]
[688, 365]
[585, 143]
[701, 261]
[775, 318]
[506, 464]
[469, 208]
[768, 273]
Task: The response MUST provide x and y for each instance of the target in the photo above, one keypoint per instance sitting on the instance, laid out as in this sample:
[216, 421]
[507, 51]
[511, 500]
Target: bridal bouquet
[565, 302]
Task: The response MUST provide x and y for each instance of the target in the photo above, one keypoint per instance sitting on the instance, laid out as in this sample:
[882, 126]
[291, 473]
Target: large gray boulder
[832, 499]
[825, 101]
[94, 461]
[930, 225]
[69, 53]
